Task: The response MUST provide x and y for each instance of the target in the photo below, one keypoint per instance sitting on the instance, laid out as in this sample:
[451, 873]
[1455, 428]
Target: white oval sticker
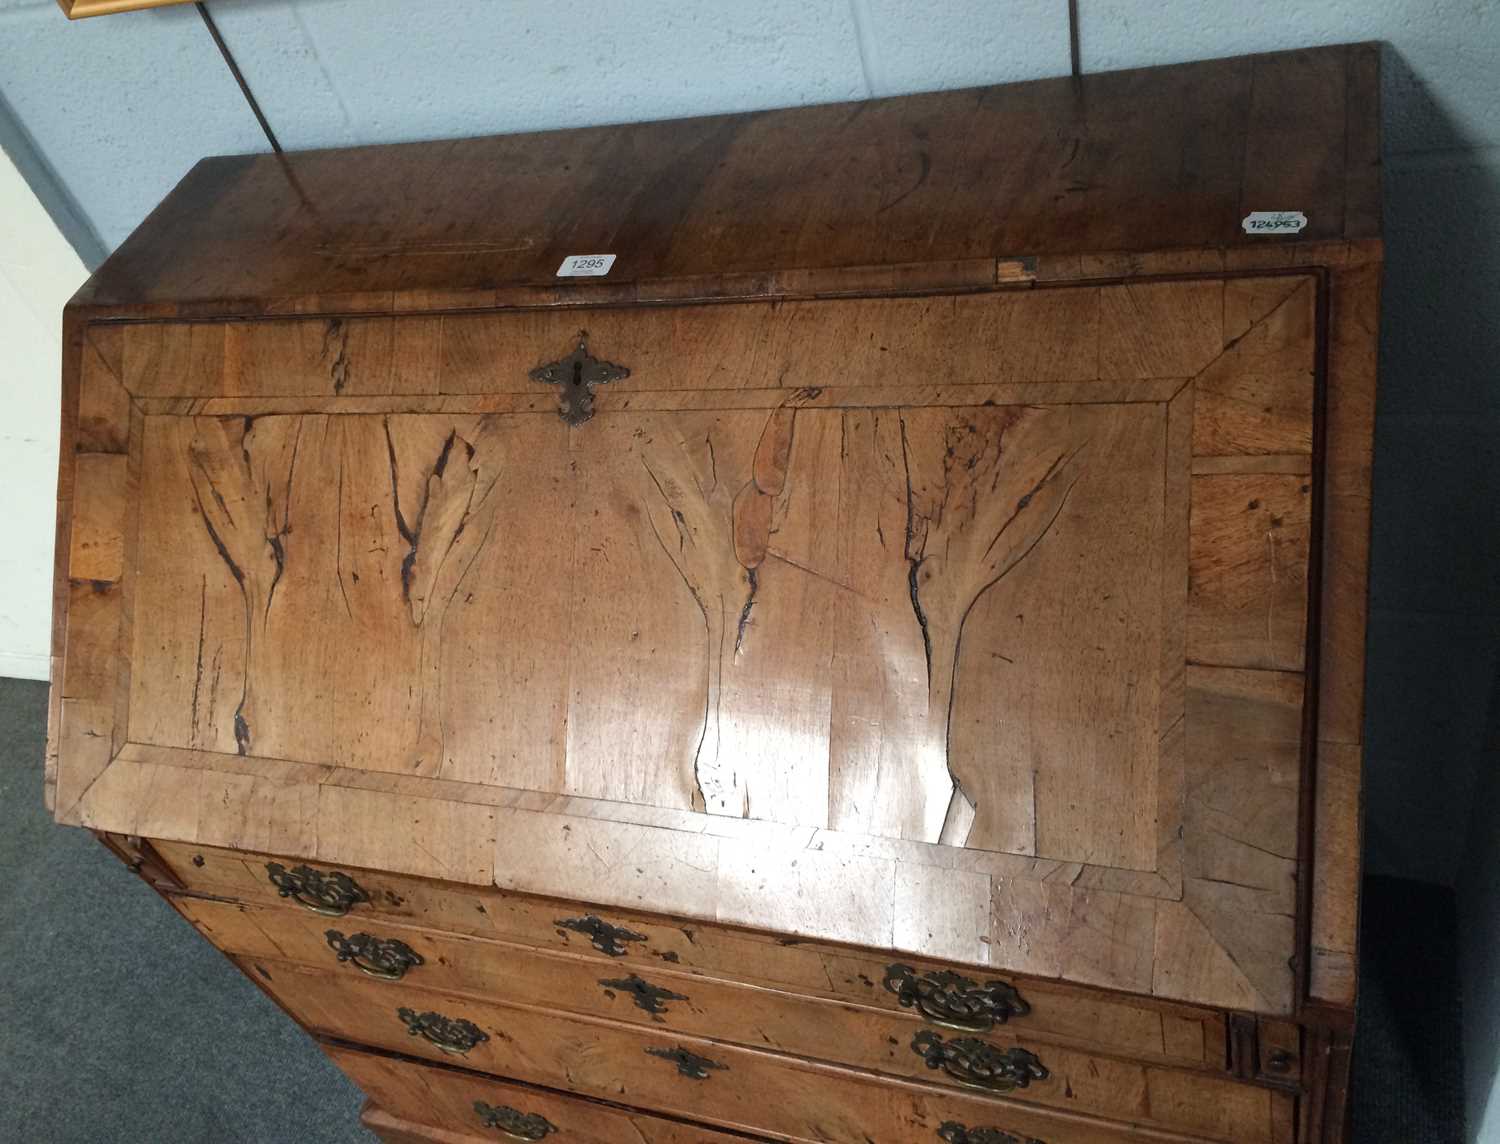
[585, 265]
[1274, 222]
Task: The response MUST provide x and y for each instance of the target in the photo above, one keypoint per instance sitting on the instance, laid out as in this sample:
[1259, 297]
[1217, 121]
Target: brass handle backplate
[690, 1065]
[952, 1132]
[954, 1001]
[383, 958]
[979, 1064]
[602, 936]
[512, 1123]
[645, 995]
[451, 1034]
[332, 894]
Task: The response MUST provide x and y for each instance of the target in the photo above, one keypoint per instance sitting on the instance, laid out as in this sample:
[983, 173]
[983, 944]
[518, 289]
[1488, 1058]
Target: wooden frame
[80, 9]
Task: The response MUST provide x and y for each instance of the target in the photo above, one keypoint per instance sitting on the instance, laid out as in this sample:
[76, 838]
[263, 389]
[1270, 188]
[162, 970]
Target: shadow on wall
[60, 206]
[1434, 594]
[1432, 726]
[1479, 939]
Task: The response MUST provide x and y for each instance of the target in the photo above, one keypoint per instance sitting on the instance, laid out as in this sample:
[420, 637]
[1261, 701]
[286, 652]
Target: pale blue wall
[121, 107]
[105, 115]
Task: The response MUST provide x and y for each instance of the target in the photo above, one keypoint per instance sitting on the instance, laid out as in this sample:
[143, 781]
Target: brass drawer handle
[979, 1064]
[645, 995]
[602, 936]
[451, 1034]
[383, 958]
[512, 1123]
[332, 894]
[690, 1065]
[954, 1001]
[952, 1132]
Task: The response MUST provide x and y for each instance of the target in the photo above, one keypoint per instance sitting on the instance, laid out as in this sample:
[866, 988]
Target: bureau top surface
[1146, 160]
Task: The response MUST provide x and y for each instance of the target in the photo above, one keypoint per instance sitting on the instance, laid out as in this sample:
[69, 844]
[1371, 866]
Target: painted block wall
[113, 111]
[38, 271]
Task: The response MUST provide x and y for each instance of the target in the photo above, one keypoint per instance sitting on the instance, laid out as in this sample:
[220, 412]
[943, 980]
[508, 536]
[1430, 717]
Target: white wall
[38, 271]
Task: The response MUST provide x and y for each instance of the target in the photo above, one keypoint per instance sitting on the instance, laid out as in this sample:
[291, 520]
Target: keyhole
[578, 373]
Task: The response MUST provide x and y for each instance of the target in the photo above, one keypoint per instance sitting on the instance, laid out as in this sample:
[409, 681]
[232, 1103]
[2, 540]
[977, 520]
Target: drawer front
[822, 1029]
[734, 1086]
[760, 351]
[390, 1129]
[1144, 1030]
[459, 1106]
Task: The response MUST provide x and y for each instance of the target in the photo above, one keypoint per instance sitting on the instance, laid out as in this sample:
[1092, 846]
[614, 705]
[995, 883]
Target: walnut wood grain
[389, 1128]
[1353, 311]
[796, 616]
[945, 179]
[1134, 1027]
[1324, 1113]
[762, 1091]
[972, 564]
[425, 1094]
[860, 1027]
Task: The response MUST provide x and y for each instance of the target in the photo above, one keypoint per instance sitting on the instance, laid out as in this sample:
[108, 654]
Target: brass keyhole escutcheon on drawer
[512, 1123]
[332, 894]
[450, 1034]
[949, 999]
[689, 1064]
[575, 377]
[978, 1064]
[952, 1132]
[383, 958]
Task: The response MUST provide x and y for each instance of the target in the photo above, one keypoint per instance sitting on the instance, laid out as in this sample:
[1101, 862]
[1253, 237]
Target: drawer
[450, 1105]
[819, 1028]
[389, 1129]
[735, 1086]
[1126, 1026]
[755, 347]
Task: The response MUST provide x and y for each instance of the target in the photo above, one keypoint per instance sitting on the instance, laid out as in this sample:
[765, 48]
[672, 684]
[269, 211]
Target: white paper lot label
[1274, 222]
[585, 265]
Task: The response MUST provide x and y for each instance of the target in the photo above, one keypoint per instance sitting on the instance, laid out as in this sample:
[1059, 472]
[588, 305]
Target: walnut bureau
[870, 651]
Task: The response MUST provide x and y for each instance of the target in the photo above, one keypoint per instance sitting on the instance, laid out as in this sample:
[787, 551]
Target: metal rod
[239, 78]
[1072, 39]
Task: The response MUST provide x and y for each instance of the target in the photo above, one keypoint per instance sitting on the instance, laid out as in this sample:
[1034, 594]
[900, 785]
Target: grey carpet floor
[1408, 1063]
[119, 1025]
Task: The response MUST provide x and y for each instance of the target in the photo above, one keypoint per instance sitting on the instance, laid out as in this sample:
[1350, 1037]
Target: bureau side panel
[1349, 418]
